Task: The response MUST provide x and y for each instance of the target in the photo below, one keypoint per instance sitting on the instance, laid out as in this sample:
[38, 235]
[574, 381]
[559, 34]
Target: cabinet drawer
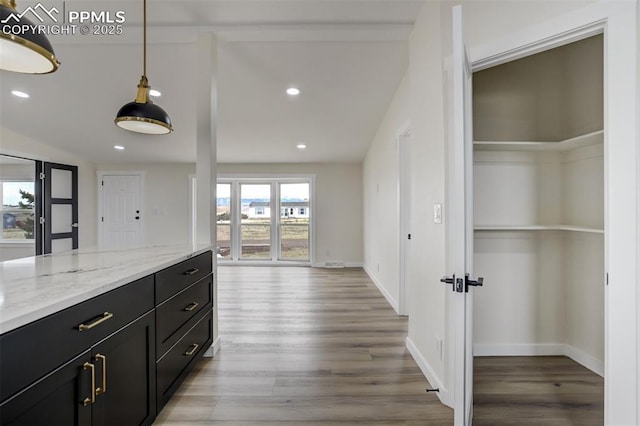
[175, 278]
[30, 352]
[172, 314]
[176, 364]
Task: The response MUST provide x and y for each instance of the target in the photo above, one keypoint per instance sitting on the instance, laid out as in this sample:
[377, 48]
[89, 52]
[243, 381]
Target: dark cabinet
[184, 321]
[112, 360]
[56, 400]
[112, 384]
[126, 376]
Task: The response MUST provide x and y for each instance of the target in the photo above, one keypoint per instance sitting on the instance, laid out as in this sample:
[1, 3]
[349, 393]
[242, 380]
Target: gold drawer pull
[191, 306]
[103, 318]
[192, 351]
[102, 389]
[92, 400]
[192, 271]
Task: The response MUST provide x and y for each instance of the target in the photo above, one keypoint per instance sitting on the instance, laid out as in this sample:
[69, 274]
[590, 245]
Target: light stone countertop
[34, 287]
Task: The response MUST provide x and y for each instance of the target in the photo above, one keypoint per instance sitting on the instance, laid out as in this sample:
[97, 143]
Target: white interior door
[122, 215]
[462, 225]
[404, 218]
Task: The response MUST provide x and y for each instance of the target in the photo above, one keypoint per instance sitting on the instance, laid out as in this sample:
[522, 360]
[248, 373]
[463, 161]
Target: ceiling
[347, 57]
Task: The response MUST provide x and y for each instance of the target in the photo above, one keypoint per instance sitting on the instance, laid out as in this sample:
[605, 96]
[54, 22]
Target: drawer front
[30, 352]
[175, 278]
[175, 312]
[176, 364]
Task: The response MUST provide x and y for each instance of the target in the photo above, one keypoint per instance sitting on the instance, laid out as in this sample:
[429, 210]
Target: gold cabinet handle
[102, 389]
[106, 316]
[92, 400]
[191, 306]
[192, 271]
[192, 351]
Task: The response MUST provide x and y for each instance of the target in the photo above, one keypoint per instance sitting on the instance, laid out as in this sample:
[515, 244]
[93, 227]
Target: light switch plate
[437, 213]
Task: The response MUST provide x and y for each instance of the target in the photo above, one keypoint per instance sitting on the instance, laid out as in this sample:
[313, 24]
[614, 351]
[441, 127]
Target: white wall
[13, 143]
[419, 101]
[338, 205]
[166, 199]
[380, 181]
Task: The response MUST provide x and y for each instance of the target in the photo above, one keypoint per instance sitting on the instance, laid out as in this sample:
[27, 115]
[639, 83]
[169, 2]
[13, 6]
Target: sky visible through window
[11, 192]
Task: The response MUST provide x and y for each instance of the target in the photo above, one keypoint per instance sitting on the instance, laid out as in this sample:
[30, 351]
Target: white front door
[122, 216]
[462, 226]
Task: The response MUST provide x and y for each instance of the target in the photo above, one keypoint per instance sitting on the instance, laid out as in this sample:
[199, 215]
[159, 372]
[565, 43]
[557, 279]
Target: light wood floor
[304, 346]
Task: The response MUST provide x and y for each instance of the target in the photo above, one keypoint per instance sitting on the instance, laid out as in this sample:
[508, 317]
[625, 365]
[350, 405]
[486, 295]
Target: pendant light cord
[144, 38]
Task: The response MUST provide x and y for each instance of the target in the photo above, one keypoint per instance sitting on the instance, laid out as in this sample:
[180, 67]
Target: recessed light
[155, 93]
[292, 91]
[20, 94]
[301, 146]
[119, 147]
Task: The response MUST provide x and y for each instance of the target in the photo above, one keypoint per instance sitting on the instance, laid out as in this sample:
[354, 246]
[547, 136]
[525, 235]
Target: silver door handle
[74, 225]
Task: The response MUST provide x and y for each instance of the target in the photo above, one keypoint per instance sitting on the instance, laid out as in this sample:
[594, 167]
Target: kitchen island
[97, 336]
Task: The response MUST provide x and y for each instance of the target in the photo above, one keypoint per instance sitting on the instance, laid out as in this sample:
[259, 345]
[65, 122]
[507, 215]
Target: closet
[539, 205]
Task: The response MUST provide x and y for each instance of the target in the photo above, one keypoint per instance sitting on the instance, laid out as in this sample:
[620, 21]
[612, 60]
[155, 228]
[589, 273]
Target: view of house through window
[17, 210]
[294, 221]
[265, 220]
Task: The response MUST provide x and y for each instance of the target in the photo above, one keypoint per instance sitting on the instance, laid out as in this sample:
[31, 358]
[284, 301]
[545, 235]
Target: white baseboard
[428, 372]
[394, 303]
[586, 360]
[542, 349]
[346, 265]
[213, 349]
[526, 349]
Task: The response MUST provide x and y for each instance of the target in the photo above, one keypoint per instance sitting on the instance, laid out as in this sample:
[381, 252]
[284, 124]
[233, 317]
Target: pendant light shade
[142, 115]
[23, 49]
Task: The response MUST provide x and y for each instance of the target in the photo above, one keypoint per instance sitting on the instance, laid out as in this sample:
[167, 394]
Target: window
[18, 210]
[252, 229]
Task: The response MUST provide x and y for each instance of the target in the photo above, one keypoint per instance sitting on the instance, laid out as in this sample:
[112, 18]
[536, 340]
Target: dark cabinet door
[126, 375]
[62, 398]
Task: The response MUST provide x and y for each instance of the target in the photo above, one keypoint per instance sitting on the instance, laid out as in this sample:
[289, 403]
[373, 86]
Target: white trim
[521, 51]
[101, 174]
[443, 394]
[346, 264]
[214, 348]
[385, 293]
[541, 349]
[274, 180]
[403, 136]
[622, 313]
[193, 208]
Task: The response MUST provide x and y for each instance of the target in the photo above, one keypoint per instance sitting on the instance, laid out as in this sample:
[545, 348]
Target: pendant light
[142, 115]
[25, 50]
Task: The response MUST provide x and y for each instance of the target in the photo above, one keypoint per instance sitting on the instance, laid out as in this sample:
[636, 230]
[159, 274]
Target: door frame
[618, 22]
[101, 174]
[403, 137]
[274, 180]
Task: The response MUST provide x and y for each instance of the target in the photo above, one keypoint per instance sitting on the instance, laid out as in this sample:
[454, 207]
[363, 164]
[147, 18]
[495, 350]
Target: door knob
[457, 284]
[474, 283]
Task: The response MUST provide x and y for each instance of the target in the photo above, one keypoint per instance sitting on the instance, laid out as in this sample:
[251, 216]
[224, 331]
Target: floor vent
[334, 264]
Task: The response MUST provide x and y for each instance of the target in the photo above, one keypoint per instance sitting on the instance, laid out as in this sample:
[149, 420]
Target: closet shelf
[566, 145]
[538, 228]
